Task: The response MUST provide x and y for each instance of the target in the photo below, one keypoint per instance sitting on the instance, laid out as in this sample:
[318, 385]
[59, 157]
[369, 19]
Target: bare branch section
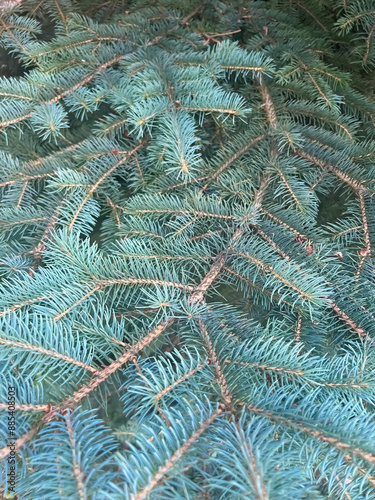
[47, 352]
[225, 393]
[40, 247]
[353, 325]
[235, 157]
[4, 452]
[198, 295]
[78, 474]
[306, 429]
[366, 233]
[25, 407]
[113, 367]
[360, 190]
[165, 391]
[90, 192]
[268, 105]
[355, 185]
[365, 252]
[180, 452]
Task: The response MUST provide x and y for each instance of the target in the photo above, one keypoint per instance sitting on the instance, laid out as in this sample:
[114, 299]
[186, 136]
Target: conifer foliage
[187, 305]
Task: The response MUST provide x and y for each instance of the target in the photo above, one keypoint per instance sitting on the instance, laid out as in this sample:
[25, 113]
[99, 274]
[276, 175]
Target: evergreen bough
[187, 226]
